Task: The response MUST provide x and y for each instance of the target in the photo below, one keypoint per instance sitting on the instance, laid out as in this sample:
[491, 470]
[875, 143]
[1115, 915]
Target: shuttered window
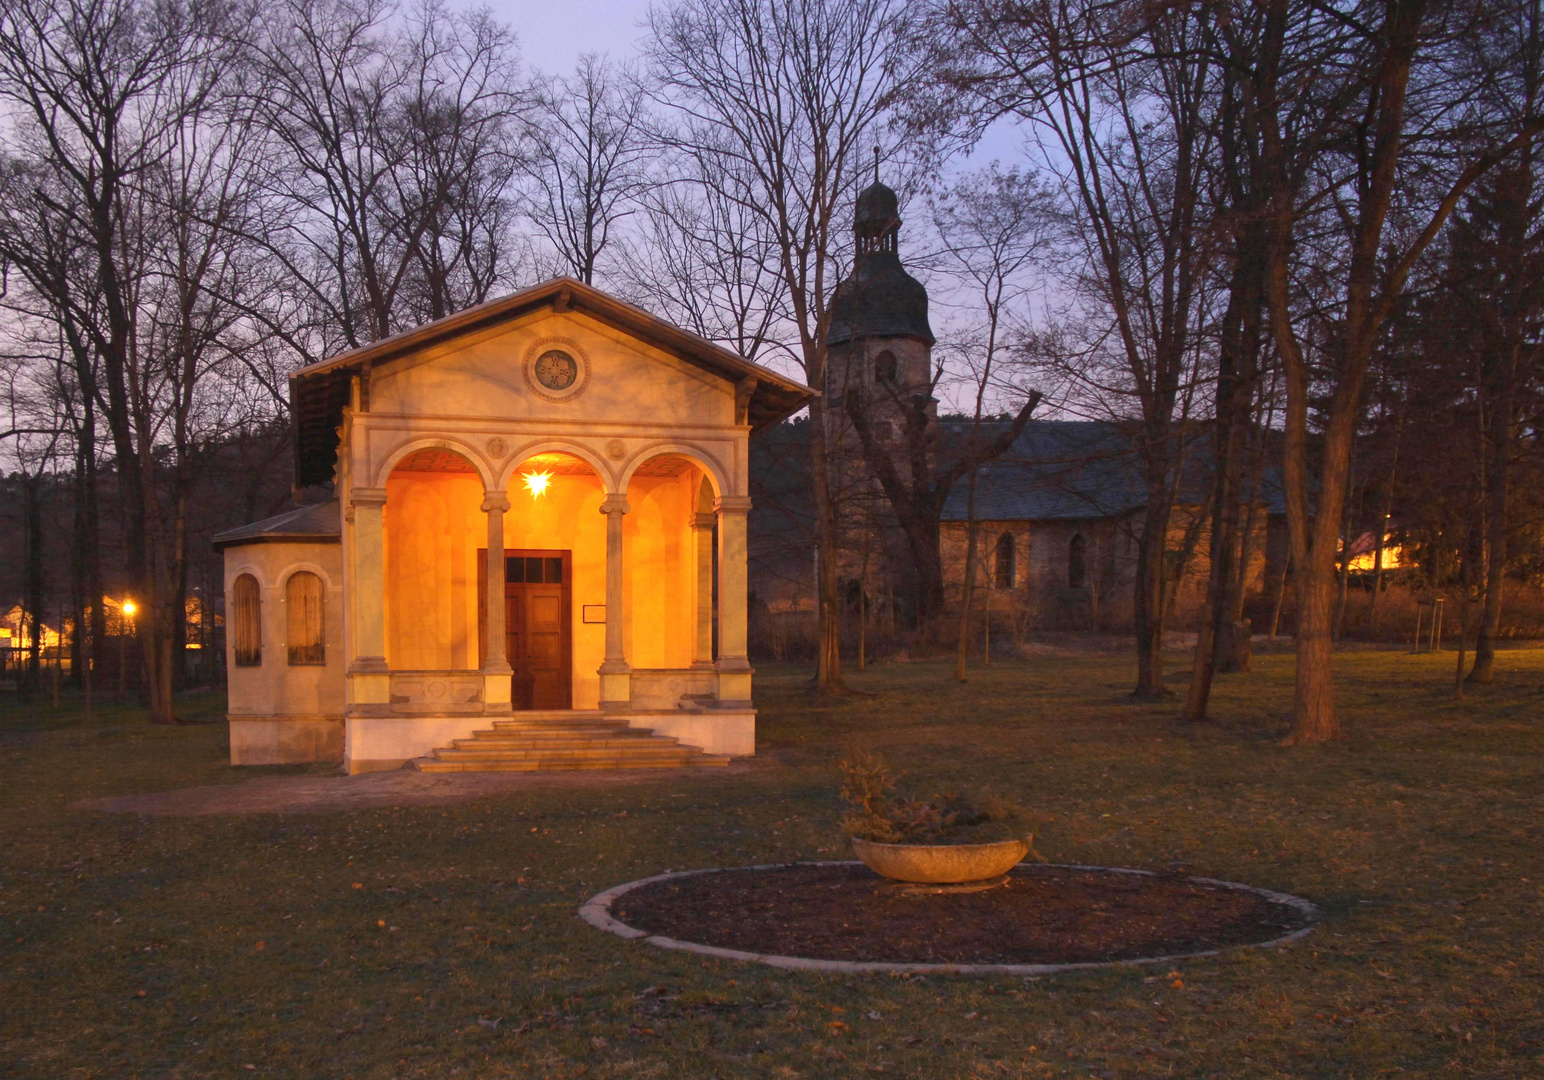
[247, 621]
[303, 599]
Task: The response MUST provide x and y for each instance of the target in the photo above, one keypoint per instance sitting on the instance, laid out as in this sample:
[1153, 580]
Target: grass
[386, 943]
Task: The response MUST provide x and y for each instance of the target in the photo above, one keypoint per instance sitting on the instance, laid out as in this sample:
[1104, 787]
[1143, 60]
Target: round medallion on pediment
[557, 369]
[616, 449]
[496, 448]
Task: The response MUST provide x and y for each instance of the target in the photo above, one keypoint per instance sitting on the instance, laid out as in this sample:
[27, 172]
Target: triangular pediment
[490, 342]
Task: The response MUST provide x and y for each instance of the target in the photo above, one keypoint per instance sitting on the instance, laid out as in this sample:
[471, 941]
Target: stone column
[496, 670]
[616, 681]
[702, 543]
[369, 680]
[734, 670]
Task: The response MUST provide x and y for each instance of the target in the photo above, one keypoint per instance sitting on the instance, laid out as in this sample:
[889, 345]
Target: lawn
[441, 941]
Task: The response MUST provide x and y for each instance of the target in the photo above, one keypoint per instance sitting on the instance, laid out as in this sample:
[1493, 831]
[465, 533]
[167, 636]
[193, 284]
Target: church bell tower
[880, 345]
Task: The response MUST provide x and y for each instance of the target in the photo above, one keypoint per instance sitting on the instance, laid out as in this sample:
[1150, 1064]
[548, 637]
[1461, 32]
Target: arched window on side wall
[884, 367]
[1077, 562]
[1006, 569]
[303, 597]
[247, 622]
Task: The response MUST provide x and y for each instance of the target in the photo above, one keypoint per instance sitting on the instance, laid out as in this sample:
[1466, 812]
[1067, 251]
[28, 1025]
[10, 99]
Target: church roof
[879, 299]
[318, 522]
[1079, 470]
[319, 392]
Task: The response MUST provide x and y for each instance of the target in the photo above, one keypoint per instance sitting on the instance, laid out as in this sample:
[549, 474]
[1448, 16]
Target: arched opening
[554, 582]
[246, 622]
[1005, 572]
[1077, 562]
[304, 601]
[885, 367]
[433, 530]
[670, 568]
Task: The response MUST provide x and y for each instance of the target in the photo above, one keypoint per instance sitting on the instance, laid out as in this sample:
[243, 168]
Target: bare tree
[106, 93]
[393, 145]
[991, 226]
[1503, 292]
[705, 261]
[1367, 144]
[589, 148]
[1236, 194]
[1118, 97]
[781, 100]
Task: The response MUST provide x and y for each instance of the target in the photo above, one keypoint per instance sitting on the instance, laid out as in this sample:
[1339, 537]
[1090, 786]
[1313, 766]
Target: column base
[616, 685]
[369, 681]
[497, 689]
[734, 682]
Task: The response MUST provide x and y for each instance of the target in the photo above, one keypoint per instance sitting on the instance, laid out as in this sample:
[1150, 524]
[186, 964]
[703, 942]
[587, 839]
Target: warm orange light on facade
[536, 483]
[129, 608]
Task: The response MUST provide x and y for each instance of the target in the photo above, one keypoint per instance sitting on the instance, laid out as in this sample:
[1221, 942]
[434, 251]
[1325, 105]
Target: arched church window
[247, 621]
[303, 598]
[1077, 562]
[885, 367]
[1005, 571]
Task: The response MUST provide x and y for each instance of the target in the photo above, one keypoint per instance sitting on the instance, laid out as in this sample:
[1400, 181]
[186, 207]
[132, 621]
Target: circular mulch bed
[1042, 918]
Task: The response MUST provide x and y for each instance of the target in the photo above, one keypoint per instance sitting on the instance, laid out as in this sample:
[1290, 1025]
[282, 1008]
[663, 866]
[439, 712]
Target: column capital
[732, 504]
[615, 504]
[367, 496]
[495, 500]
[704, 521]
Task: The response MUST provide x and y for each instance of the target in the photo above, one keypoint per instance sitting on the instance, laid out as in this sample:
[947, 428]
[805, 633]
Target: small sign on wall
[593, 613]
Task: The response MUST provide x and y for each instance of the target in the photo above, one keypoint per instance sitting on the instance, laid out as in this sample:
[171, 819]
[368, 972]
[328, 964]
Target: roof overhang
[319, 393]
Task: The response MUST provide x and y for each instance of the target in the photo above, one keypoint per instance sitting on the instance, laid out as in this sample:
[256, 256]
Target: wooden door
[537, 591]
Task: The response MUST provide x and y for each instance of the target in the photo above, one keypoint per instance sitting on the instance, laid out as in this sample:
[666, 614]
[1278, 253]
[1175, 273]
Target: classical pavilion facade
[602, 453]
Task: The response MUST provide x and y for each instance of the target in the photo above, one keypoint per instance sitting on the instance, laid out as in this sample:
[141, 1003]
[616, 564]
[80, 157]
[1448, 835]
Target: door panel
[514, 649]
[544, 647]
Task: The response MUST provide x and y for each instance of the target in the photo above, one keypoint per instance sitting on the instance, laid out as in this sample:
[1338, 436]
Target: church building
[601, 454]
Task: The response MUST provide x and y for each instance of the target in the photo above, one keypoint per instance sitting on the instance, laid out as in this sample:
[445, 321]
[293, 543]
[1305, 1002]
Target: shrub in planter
[950, 836]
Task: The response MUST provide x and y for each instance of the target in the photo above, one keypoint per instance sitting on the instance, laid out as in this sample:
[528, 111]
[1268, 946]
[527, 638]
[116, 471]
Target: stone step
[670, 750]
[518, 727]
[557, 714]
[558, 741]
[558, 763]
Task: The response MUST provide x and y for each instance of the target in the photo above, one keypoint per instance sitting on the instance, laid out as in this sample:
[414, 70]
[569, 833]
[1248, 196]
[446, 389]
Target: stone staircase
[564, 739]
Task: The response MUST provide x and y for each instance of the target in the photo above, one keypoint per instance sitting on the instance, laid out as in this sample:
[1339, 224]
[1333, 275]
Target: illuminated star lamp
[537, 483]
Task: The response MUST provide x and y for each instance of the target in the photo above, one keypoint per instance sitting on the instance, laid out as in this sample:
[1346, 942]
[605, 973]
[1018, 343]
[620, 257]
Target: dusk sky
[554, 35]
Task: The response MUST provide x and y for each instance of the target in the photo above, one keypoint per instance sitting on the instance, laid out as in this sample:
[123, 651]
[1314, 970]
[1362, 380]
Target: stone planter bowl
[940, 864]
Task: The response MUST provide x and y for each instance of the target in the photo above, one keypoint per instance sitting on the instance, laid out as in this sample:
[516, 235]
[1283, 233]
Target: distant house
[1058, 519]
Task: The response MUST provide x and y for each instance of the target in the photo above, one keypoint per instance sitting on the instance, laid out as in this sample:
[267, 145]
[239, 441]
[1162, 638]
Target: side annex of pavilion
[602, 450]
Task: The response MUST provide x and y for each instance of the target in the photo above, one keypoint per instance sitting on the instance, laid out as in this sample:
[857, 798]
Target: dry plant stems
[881, 815]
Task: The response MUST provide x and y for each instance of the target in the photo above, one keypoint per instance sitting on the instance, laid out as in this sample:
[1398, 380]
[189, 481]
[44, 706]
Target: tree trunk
[33, 614]
[1237, 376]
[1498, 483]
[1149, 597]
[828, 657]
[1314, 699]
[962, 642]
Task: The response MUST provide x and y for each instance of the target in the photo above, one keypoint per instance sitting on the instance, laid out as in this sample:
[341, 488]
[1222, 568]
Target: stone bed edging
[597, 912]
